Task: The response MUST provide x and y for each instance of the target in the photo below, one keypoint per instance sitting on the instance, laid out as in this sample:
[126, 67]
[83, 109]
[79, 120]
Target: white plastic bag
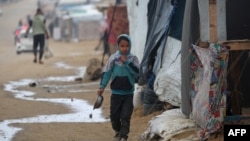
[137, 99]
[47, 52]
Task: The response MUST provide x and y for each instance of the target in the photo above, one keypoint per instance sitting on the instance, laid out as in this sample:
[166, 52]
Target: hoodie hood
[123, 36]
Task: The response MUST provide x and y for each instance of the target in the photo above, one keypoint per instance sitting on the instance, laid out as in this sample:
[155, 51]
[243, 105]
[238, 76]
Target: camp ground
[193, 82]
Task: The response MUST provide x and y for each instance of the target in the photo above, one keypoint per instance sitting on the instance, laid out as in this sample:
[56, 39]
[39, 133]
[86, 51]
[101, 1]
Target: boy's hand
[123, 58]
[100, 91]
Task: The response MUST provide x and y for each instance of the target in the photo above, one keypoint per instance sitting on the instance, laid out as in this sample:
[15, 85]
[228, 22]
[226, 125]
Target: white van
[25, 44]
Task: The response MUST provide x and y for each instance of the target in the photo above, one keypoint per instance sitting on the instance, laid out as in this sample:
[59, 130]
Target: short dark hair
[38, 10]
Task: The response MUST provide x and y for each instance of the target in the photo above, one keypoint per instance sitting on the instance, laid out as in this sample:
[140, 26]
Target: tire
[150, 102]
[150, 108]
[149, 96]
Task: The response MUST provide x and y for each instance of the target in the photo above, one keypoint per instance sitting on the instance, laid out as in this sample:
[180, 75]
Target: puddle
[80, 108]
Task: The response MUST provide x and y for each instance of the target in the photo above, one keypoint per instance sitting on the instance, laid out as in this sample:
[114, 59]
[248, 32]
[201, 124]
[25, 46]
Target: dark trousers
[121, 109]
[38, 40]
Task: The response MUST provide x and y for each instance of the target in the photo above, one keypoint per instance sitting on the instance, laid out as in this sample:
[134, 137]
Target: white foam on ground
[80, 108]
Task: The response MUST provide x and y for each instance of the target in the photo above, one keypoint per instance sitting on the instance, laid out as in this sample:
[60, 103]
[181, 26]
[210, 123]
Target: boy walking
[122, 68]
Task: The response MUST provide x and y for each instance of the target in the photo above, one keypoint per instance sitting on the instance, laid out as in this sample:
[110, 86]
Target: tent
[186, 49]
[77, 22]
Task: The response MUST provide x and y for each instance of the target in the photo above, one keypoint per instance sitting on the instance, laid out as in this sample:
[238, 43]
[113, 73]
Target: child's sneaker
[123, 139]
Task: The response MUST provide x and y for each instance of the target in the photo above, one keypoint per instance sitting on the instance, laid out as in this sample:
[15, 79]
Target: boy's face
[124, 47]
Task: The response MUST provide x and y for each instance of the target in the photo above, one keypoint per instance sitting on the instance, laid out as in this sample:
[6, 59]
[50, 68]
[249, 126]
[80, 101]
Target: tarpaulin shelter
[117, 20]
[166, 33]
[77, 22]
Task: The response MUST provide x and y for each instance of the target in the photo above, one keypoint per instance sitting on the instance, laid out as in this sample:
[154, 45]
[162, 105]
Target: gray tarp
[160, 13]
[164, 19]
[190, 35]
[175, 31]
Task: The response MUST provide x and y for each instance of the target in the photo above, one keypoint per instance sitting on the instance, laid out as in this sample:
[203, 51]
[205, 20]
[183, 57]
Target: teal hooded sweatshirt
[121, 74]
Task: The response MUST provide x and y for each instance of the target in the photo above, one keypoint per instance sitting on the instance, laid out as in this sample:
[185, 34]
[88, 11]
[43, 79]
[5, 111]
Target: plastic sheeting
[167, 84]
[159, 17]
[209, 67]
[138, 27]
[117, 19]
[190, 35]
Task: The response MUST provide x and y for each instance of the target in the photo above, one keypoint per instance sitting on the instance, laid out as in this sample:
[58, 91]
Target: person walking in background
[18, 31]
[122, 68]
[29, 20]
[39, 32]
[104, 36]
[106, 47]
[20, 23]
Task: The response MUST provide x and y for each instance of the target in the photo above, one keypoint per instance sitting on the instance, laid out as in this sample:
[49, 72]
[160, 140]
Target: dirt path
[18, 67]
